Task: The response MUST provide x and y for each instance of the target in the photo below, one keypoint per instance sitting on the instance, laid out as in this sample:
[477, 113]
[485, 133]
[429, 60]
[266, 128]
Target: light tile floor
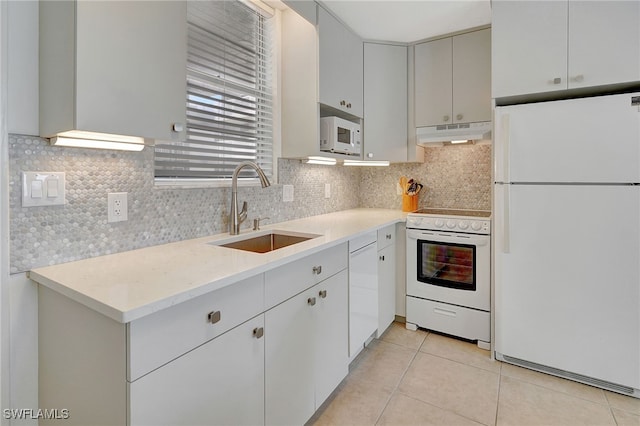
[421, 378]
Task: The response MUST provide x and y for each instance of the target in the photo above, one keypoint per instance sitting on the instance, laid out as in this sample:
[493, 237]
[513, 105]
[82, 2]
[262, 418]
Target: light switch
[52, 187]
[36, 189]
[43, 189]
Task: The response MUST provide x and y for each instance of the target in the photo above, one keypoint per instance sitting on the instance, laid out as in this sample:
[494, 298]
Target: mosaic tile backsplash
[454, 176]
[457, 177]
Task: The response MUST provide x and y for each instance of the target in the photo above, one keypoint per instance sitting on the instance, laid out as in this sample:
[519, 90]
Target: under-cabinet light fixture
[365, 163]
[81, 139]
[321, 160]
[460, 141]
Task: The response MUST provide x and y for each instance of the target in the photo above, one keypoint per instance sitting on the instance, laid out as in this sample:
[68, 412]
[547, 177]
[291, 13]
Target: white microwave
[340, 136]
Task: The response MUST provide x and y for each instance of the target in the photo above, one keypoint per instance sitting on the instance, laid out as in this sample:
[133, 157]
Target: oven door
[449, 267]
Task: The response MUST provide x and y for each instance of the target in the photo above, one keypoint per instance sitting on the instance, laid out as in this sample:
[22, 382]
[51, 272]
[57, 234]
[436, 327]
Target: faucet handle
[256, 222]
[243, 213]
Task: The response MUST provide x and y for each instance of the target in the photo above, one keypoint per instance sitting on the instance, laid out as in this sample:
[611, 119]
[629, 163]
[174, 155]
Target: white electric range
[449, 272]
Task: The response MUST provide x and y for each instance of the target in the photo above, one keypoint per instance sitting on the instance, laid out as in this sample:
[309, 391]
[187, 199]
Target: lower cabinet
[267, 349]
[386, 288]
[387, 265]
[305, 351]
[218, 383]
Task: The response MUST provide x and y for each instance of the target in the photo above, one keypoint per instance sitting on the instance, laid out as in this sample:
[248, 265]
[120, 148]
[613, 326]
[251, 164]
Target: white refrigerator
[567, 239]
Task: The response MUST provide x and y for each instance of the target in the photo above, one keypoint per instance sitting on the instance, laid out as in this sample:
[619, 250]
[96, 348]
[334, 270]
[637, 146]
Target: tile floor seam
[442, 408]
[395, 389]
[607, 404]
[460, 362]
[495, 422]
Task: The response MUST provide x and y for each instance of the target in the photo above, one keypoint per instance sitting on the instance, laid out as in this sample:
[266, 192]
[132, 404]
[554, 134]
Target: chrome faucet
[235, 218]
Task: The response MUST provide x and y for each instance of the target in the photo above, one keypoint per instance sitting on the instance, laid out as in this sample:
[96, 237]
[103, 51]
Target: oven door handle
[439, 238]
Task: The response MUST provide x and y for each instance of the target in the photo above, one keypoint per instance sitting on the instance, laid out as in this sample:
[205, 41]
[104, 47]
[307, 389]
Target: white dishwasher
[363, 291]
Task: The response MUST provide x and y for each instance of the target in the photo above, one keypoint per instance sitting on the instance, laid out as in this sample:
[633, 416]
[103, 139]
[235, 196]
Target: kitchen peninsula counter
[130, 285]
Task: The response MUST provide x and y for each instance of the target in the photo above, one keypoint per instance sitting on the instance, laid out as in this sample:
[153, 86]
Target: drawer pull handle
[445, 312]
[213, 317]
[317, 270]
[388, 236]
[382, 258]
[323, 293]
[311, 301]
[258, 332]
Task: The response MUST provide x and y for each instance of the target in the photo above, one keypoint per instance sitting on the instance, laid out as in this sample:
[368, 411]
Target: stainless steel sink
[265, 243]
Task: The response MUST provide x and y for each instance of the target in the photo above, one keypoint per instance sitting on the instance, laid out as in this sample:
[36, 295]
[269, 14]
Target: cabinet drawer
[160, 337]
[386, 236]
[288, 280]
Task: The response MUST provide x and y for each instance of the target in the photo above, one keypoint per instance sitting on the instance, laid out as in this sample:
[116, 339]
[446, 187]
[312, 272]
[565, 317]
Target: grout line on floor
[573, 395]
[395, 389]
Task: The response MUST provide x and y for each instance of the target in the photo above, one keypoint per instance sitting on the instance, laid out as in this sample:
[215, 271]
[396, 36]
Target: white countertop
[129, 285]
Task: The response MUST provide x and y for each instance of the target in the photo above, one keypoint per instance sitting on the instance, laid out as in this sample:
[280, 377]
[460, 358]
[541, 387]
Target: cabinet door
[472, 77]
[529, 47]
[219, 383]
[433, 82]
[363, 297]
[386, 287]
[385, 102]
[340, 53]
[289, 351]
[604, 42]
[332, 326]
[130, 67]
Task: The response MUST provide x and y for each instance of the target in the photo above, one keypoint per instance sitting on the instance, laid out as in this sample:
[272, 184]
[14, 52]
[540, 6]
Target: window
[229, 95]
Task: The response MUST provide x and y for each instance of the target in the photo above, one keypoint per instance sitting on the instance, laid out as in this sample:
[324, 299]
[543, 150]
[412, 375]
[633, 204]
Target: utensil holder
[409, 203]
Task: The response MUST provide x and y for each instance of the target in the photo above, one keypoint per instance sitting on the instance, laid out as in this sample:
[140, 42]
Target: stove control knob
[439, 223]
[451, 224]
[476, 226]
[463, 224]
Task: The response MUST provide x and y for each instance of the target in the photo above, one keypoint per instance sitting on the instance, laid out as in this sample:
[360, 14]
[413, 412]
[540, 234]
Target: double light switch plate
[43, 189]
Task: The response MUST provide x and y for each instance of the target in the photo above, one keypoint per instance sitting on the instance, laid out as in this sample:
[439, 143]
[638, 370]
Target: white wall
[4, 218]
[18, 295]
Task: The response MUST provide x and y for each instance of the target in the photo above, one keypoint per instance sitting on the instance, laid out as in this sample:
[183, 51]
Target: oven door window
[447, 264]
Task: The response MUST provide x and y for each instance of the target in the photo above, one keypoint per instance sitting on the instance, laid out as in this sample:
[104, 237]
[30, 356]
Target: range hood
[460, 132]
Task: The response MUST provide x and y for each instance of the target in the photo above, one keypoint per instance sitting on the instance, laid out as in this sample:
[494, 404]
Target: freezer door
[567, 278]
[593, 139]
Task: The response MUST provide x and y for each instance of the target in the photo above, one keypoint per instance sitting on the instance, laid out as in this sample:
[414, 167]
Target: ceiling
[410, 21]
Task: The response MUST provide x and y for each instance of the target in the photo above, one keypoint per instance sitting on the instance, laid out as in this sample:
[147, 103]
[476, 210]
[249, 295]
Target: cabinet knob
[349, 105]
[258, 332]
[388, 236]
[213, 317]
[311, 301]
[459, 117]
[445, 118]
[557, 80]
[322, 294]
[178, 127]
[382, 258]
[578, 78]
[343, 103]
[369, 154]
[317, 269]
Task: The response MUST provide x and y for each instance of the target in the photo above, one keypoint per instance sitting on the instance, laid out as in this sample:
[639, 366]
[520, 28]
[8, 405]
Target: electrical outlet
[327, 190]
[117, 207]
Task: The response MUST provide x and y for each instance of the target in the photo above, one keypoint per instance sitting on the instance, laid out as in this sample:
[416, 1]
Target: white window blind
[229, 94]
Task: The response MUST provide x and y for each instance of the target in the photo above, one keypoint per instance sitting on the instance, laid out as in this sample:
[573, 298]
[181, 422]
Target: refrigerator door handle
[506, 227]
[506, 136]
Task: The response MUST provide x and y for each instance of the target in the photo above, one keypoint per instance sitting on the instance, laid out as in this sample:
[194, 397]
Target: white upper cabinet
[548, 46]
[113, 67]
[341, 61]
[385, 102]
[453, 79]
